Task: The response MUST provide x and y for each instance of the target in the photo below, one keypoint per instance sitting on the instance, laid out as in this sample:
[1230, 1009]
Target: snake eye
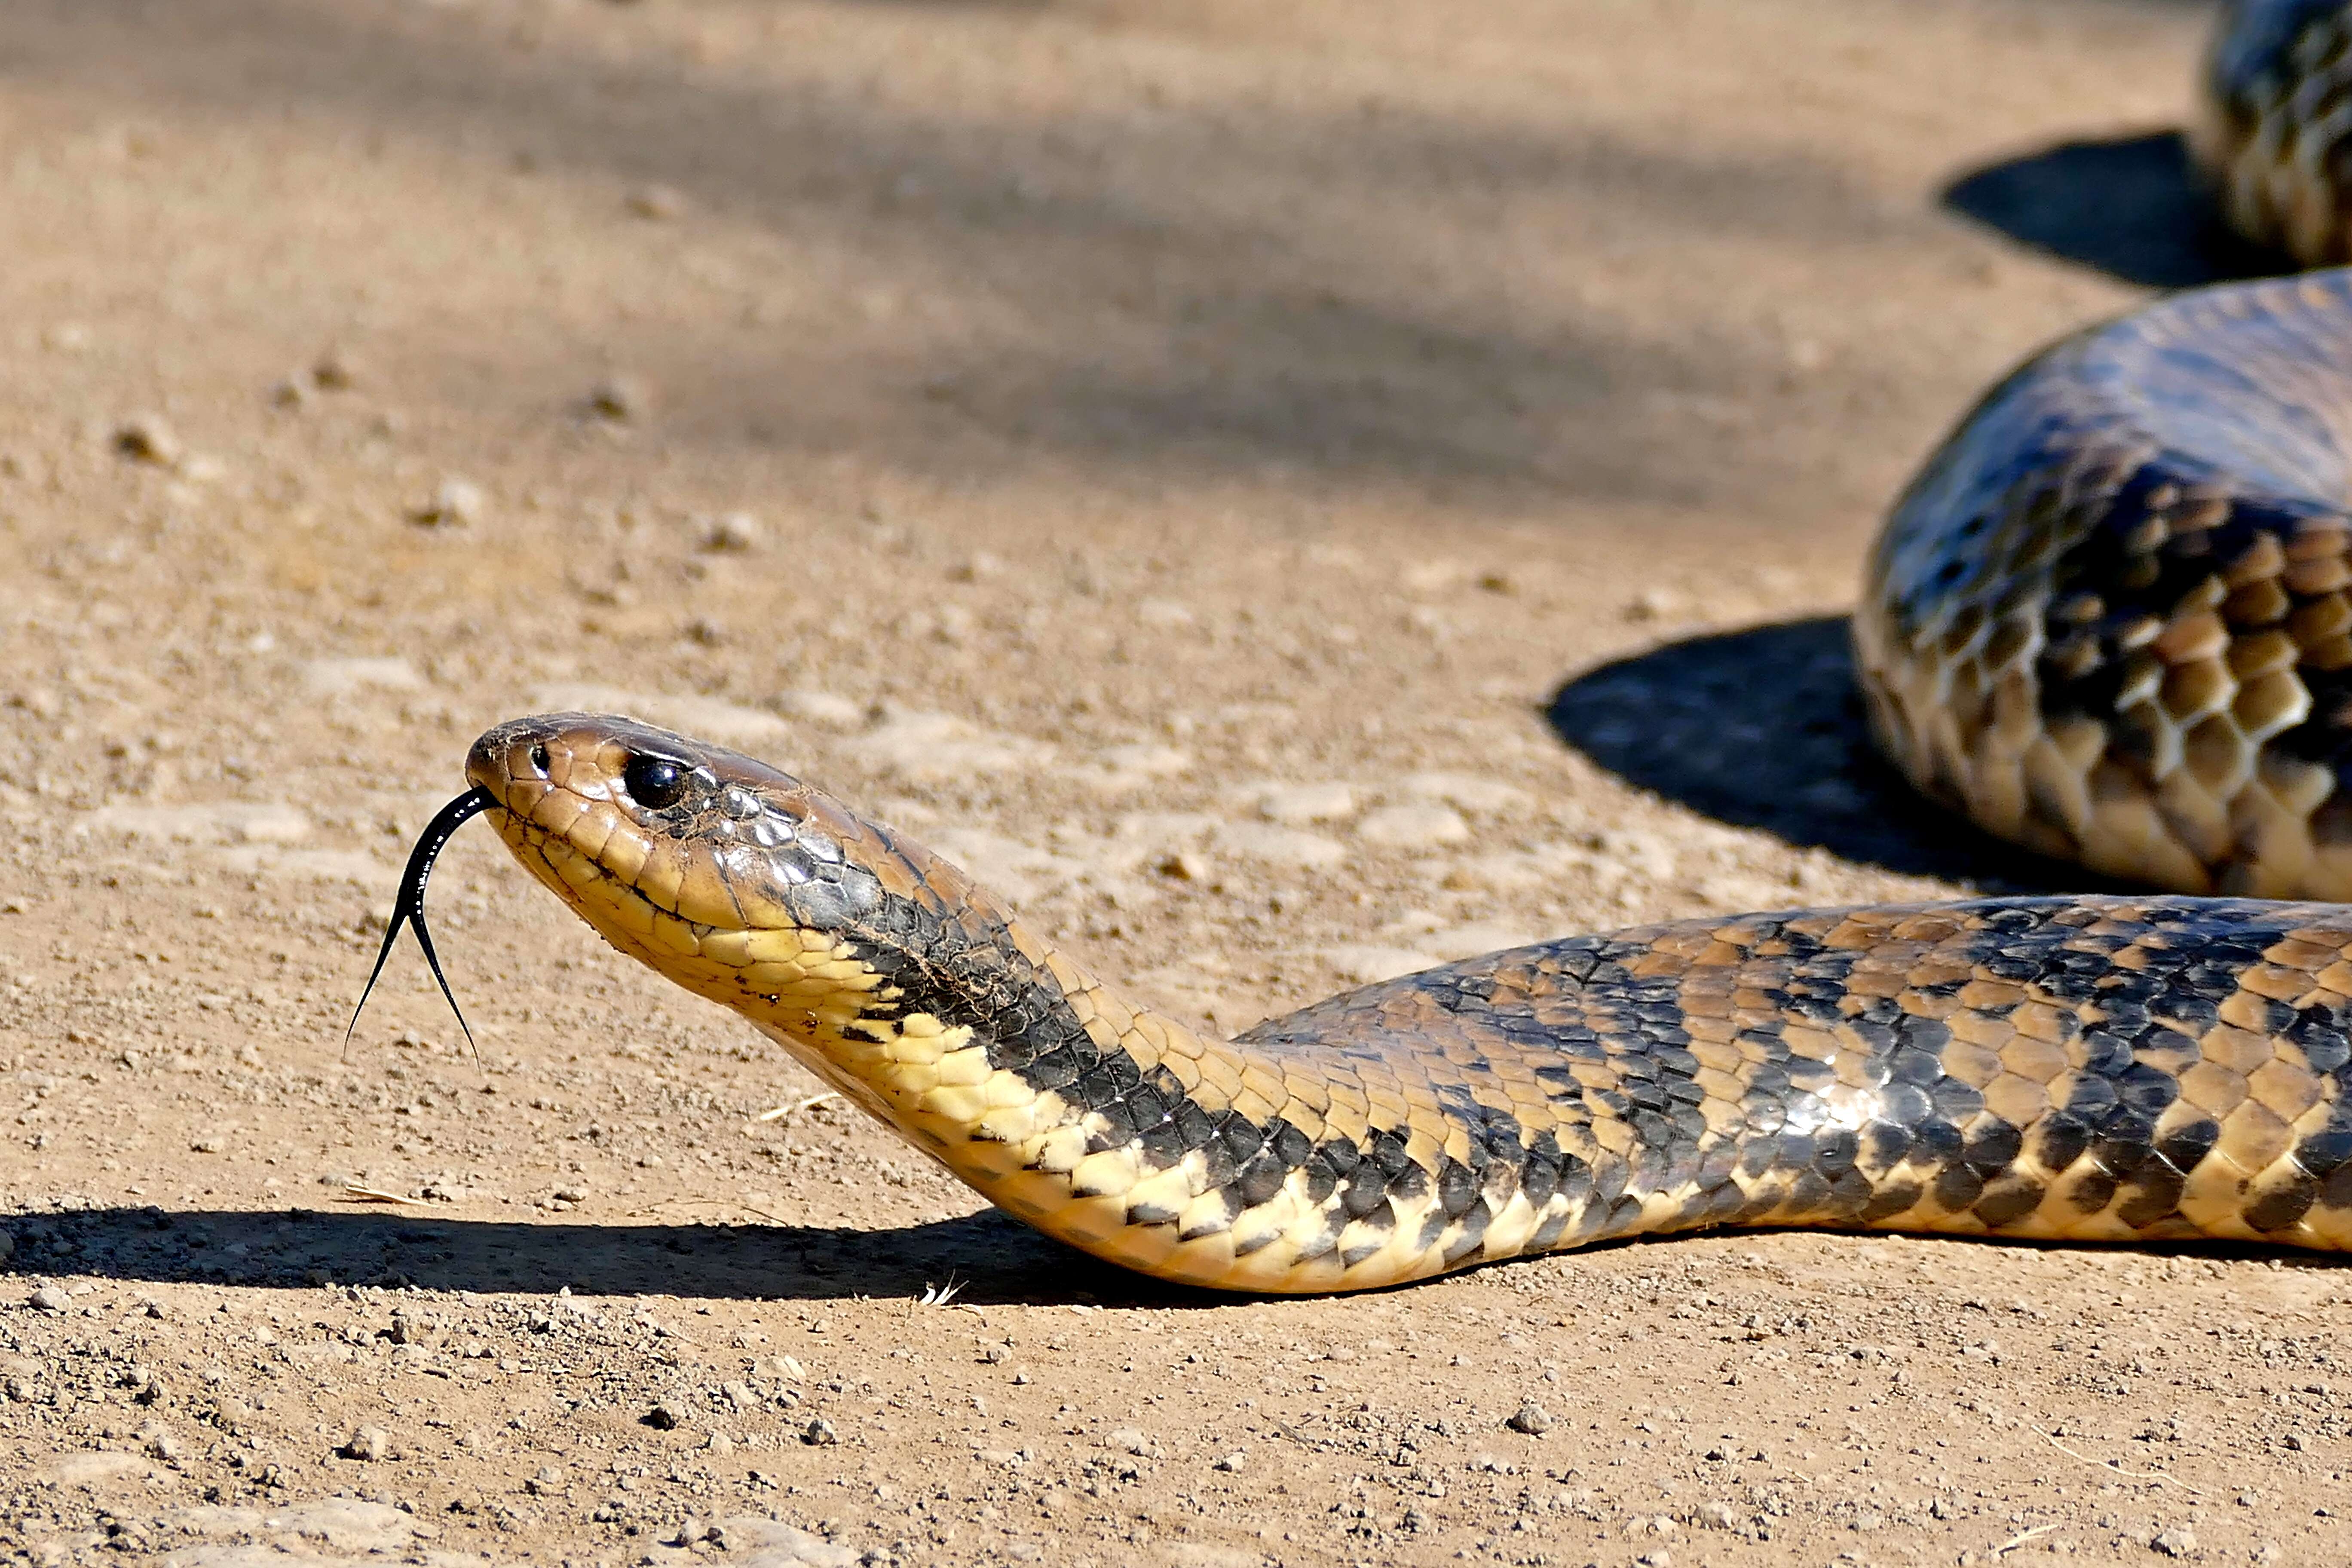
[538, 758]
[655, 783]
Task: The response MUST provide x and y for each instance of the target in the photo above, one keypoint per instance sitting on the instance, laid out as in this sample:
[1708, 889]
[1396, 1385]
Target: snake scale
[2111, 620]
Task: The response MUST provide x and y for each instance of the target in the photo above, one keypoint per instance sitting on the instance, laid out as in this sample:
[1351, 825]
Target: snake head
[729, 875]
[616, 813]
[755, 890]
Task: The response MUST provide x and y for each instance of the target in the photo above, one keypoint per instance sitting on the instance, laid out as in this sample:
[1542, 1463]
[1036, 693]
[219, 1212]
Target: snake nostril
[538, 758]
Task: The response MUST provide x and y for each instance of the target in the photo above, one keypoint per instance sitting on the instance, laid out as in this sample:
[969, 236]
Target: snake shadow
[2133, 207]
[1764, 729]
[990, 1258]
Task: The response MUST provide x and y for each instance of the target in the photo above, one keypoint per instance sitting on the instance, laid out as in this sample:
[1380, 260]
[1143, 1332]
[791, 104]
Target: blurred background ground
[1288, 493]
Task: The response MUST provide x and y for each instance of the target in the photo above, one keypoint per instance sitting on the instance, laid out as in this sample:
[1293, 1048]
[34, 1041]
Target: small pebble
[546, 1482]
[147, 438]
[455, 503]
[1183, 866]
[372, 1444]
[2175, 1541]
[1530, 1418]
[731, 533]
[617, 398]
[662, 1417]
[819, 1434]
[160, 1444]
[690, 1530]
[1715, 1514]
[1230, 1462]
[655, 202]
[335, 370]
[1652, 604]
[50, 1299]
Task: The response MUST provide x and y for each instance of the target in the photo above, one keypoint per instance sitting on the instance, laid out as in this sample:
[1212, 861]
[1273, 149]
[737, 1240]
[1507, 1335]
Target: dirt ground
[1288, 491]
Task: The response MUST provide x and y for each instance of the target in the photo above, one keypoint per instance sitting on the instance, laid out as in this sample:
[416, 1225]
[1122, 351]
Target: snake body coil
[2111, 618]
[2083, 1069]
[2275, 127]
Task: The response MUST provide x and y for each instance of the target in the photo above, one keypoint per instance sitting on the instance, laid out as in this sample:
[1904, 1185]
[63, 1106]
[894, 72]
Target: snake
[2110, 621]
[2080, 1069]
[2272, 131]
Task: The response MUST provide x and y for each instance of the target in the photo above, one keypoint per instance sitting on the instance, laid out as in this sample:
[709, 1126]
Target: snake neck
[983, 1047]
[932, 1007]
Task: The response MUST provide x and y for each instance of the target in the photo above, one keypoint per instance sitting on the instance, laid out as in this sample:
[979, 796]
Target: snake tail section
[2082, 1069]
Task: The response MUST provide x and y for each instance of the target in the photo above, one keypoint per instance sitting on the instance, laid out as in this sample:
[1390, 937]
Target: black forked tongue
[409, 908]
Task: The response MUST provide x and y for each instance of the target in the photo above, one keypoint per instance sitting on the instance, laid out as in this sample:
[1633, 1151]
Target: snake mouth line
[408, 905]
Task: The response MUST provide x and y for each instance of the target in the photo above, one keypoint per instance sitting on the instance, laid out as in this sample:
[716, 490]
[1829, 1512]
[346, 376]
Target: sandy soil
[1287, 492]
